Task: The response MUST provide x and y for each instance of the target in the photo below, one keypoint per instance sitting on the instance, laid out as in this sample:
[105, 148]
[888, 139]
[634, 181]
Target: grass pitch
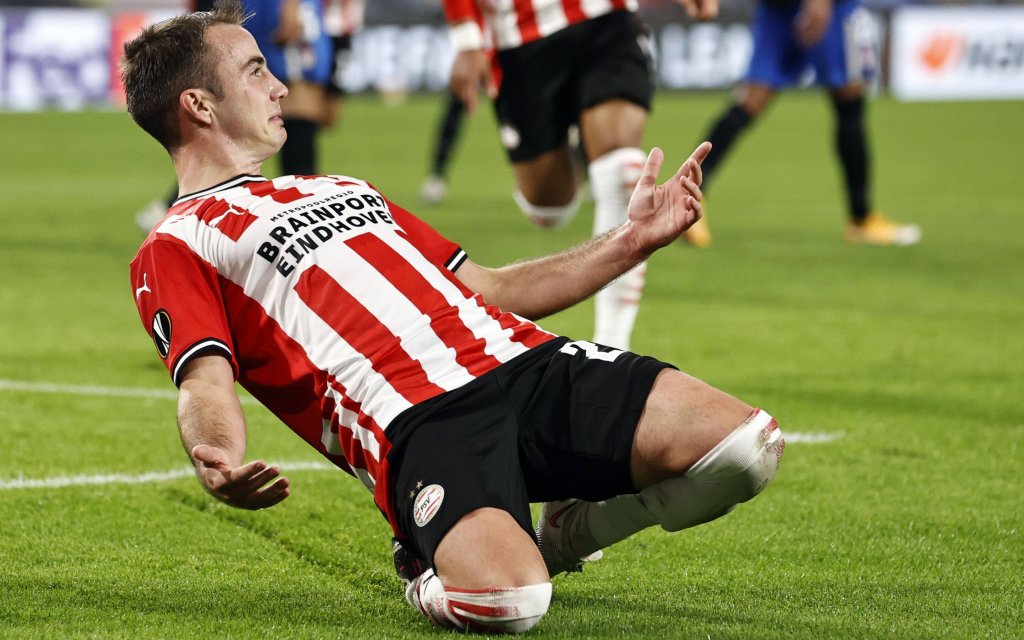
[907, 525]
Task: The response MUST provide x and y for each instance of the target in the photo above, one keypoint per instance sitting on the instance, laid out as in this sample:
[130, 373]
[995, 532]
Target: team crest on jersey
[427, 503]
[162, 332]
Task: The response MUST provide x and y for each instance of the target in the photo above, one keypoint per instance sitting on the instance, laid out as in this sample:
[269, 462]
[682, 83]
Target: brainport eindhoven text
[299, 234]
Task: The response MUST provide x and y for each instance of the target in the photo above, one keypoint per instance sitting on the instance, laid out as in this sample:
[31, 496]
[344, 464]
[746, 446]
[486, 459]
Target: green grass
[909, 526]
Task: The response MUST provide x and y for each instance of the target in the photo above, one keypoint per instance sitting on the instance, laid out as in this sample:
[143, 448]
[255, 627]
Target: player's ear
[196, 105]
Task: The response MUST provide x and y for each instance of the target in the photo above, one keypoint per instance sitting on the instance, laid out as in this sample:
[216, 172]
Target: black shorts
[341, 48]
[556, 422]
[546, 84]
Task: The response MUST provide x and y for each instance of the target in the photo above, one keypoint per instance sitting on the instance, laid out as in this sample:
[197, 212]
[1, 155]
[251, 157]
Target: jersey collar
[227, 184]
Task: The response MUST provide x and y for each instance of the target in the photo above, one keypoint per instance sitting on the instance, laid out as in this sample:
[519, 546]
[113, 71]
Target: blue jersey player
[830, 38]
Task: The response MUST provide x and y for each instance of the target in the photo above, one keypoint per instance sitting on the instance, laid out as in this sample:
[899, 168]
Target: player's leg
[547, 188]
[852, 148]
[534, 114]
[751, 100]
[612, 132]
[614, 93]
[845, 61]
[775, 61]
[489, 577]
[697, 453]
[461, 505]
[434, 187]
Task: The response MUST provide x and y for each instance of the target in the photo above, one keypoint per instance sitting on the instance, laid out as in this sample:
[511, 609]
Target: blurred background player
[435, 187]
[559, 63]
[342, 19]
[791, 36]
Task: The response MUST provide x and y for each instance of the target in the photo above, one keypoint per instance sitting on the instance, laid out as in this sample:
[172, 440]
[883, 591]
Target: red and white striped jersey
[517, 22]
[337, 309]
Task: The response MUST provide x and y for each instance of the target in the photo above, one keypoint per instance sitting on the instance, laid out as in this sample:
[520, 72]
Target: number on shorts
[590, 350]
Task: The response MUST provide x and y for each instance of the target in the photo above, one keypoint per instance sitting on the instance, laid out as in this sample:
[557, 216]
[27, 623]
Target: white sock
[734, 471]
[612, 179]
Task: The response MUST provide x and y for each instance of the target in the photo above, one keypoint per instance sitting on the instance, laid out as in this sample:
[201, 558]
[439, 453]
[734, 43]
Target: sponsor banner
[957, 53]
[53, 58]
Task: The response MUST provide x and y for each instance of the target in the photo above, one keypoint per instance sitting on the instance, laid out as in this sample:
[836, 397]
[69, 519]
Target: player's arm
[812, 21]
[700, 9]
[471, 67]
[658, 214]
[213, 432]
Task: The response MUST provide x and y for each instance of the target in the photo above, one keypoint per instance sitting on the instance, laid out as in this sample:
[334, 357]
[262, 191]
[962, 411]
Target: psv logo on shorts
[162, 332]
[427, 502]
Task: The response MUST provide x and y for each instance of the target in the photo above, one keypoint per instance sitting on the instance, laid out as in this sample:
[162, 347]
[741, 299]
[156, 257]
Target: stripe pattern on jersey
[514, 23]
[365, 326]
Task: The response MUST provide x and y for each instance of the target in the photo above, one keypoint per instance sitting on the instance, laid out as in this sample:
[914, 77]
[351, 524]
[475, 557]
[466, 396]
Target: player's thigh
[534, 106]
[549, 179]
[487, 548]
[451, 456]
[683, 419]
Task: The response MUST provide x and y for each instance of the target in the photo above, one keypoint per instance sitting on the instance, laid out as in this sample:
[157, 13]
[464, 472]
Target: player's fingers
[271, 495]
[701, 152]
[695, 171]
[257, 478]
[210, 456]
[691, 187]
[652, 167]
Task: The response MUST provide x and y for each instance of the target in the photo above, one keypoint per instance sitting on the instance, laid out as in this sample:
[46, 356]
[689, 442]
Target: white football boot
[554, 536]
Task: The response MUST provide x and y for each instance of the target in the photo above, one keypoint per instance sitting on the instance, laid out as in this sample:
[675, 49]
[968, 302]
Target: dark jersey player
[382, 345]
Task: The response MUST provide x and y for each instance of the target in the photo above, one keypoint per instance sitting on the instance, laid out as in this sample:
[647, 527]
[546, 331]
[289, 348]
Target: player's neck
[200, 167]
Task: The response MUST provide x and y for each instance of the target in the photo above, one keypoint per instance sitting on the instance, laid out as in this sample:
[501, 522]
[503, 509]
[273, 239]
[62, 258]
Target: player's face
[250, 111]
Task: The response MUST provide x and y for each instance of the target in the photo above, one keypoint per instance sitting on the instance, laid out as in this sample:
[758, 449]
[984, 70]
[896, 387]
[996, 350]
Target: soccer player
[435, 186]
[559, 63]
[382, 345]
[791, 36]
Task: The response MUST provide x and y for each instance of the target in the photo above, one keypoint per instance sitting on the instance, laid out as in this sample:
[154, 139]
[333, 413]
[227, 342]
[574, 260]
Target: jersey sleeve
[456, 11]
[179, 302]
[432, 244]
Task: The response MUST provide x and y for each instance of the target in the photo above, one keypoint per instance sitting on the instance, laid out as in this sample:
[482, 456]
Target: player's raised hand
[251, 486]
[658, 214]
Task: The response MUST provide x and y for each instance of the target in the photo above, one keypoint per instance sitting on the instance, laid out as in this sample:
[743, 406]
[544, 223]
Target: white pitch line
[60, 482]
[811, 438]
[93, 390]
[57, 482]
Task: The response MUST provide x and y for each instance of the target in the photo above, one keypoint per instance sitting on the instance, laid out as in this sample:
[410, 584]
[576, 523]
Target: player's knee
[548, 217]
[494, 610]
[734, 471]
[508, 610]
